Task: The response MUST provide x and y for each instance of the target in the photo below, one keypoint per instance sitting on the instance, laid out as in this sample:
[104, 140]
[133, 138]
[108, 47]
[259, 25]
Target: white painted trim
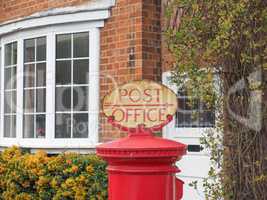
[2, 93]
[50, 86]
[96, 10]
[63, 143]
[20, 73]
[58, 29]
[94, 85]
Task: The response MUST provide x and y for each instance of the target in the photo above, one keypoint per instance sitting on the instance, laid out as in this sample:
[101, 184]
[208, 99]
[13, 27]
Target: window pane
[41, 49]
[8, 54]
[14, 57]
[80, 125]
[29, 101]
[63, 126]
[14, 78]
[40, 100]
[63, 46]
[41, 74]
[63, 98]
[29, 76]
[8, 78]
[191, 104]
[80, 98]
[14, 126]
[29, 50]
[80, 71]
[14, 102]
[7, 127]
[63, 72]
[187, 119]
[180, 119]
[40, 126]
[28, 125]
[207, 119]
[81, 45]
[8, 102]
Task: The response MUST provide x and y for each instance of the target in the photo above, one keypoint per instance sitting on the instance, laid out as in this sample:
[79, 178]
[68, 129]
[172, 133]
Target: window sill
[51, 146]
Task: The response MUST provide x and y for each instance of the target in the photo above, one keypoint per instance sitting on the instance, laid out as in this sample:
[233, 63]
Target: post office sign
[140, 102]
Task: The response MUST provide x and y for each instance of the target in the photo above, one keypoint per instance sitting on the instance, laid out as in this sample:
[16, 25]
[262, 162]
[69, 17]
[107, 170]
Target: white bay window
[72, 67]
[34, 88]
[50, 79]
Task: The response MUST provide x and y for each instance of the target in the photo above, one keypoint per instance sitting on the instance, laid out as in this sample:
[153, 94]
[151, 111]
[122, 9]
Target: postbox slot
[194, 148]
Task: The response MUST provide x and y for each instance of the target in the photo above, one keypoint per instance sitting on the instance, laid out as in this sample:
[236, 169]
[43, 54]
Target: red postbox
[142, 166]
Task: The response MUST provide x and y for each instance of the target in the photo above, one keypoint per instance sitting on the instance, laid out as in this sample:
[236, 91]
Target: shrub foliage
[25, 176]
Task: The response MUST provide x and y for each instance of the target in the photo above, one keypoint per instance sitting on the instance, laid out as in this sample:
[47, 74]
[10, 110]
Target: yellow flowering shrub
[25, 176]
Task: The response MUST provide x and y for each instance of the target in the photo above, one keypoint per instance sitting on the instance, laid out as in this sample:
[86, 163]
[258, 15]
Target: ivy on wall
[221, 57]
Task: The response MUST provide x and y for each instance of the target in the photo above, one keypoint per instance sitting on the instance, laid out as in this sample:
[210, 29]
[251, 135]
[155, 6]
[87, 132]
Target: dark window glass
[41, 74]
[63, 125]
[8, 102]
[80, 125]
[40, 100]
[63, 98]
[80, 98]
[63, 49]
[41, 49]
[7, 126]
[8, 54]
[81, 45]
[40, 126]
[193, 113]
[29, 50]
[29, 75]
[28, 124]
[7, 77]
[11, 54]
[13, 125]
[63, 72]
[14, 102]
[14, 56]
[80, 71]
[14, 78]
[29, 101]
[10, 126]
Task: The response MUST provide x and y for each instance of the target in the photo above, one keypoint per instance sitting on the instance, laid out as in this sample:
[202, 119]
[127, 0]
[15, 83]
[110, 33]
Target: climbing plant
[220, 56]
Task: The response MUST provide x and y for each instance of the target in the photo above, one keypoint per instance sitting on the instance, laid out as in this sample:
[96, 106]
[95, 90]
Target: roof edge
[89, 7]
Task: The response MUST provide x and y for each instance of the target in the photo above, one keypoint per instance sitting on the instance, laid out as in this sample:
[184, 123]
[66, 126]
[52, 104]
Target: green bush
[25, 176]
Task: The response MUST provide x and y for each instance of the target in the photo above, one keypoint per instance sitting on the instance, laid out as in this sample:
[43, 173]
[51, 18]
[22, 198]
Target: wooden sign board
[140, 102]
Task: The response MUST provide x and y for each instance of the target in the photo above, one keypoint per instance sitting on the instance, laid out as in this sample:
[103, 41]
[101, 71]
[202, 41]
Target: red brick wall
[151, 47]
[130, 42]
[130, 48]
[12, 9]
[121, 53]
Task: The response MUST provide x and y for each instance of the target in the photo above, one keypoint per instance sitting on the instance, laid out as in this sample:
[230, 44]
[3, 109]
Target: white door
[188, 130]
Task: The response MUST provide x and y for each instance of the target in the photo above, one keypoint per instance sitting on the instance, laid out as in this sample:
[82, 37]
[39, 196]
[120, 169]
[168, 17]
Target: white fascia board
[95, 10]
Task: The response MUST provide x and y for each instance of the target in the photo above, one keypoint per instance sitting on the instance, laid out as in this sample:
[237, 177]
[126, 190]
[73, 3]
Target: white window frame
[50, 142]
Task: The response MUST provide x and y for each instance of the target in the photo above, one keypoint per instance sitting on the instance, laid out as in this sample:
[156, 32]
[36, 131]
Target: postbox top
[142, 146]
[145, 142]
